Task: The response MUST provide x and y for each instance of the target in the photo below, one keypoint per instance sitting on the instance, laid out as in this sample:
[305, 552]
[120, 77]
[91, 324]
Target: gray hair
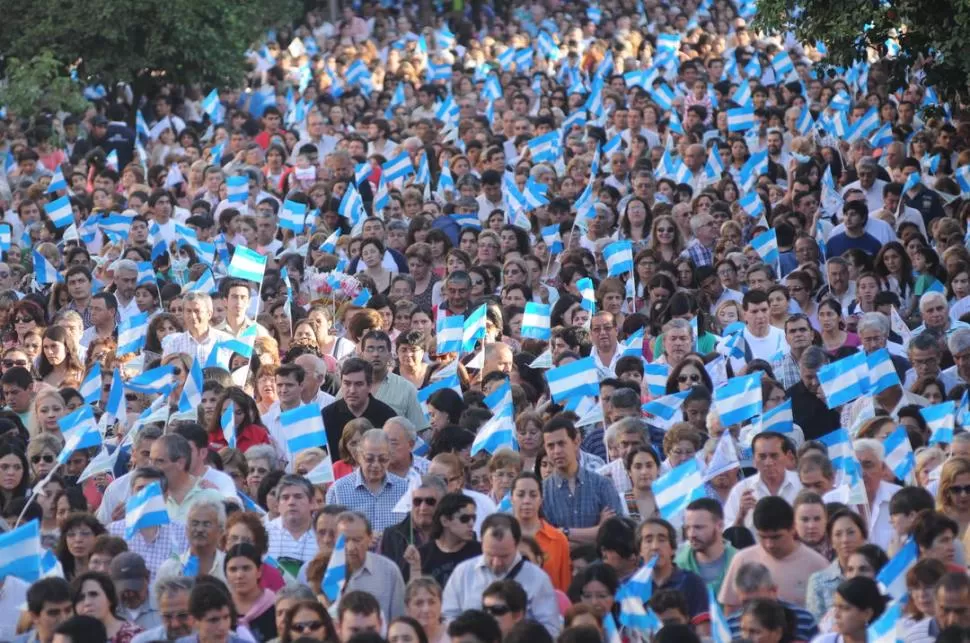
[294, 592]
[374, 436]
[177, 448]
[814, 357]
[815, 460]
[932, 297]
[925, 341]
[200, 297]
[753, 577]
[874, 321]
[263, 452]
[406, 425]
[678, 324]
[169, 585]
[866, 162]
[125, 264]
[629, 425]
[354, 516]
[214, 505]
[959, 341]
[430, 481]
[699, 220]
[871, 445]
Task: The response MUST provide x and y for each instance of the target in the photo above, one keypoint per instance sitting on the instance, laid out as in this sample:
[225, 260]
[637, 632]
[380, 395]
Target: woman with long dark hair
[14, 473]
[246, 422]
[59, 363]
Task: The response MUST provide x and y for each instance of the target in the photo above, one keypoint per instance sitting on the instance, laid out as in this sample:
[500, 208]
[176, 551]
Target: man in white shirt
[315, 136]
[491, 197]
[867, 169]
[871, 455]
[199, 443]
[289, 388]
[771, 451]
[199, 339]
[762, 340]
[125, 280]
[874, 225]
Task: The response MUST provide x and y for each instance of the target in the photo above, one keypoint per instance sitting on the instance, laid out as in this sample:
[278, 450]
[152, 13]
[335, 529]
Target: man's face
[499, 610]
[51, 615]
[159, 459]
[603, 330]
[174, 610]
[677, 343]
[778, 544]
[378, 354]
[17, 399]
[813, 480]
[353, 623]
[126, 280]
[214, 625]
[655, 540]
[203, 528]
[934, 313]
[498, 553]
[872, 339]
[374, 456]
[561, 449]
[100, 314]
[356, 542]
[838, 276]
[926, 362]
[769, 459]
[798, 334]
[701, 529]
[288, 390]
[867, 176]
[758, 280]
[237, 301]
[457, 294]
[712, 287]
[294, 503]
[756, 317]
[423, 503]
[952, 608]
[79, 287]
[196, 315]
[133, 593]
[355, 388]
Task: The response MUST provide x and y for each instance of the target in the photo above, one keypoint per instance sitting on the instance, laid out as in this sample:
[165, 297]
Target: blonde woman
[927, 460]
[48, 407]
[182, 364]
[953, 495]
[666, 238]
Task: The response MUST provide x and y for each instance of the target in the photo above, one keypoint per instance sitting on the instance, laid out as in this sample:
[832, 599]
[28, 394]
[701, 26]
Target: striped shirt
[282, 544]
[352, 492]
[185, 343]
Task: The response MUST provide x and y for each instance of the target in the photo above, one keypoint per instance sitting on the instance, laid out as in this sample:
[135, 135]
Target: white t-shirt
[769, 346]
[12, 598]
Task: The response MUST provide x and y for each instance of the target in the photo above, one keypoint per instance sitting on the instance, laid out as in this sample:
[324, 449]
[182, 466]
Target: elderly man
[815, 472]
[205, 527]
[839, 286]
[753, 581]
[873, 330]
[371, 489]
[315, 370]
[606, 349]
[417, 528]
[959, 344]
[366, 571]
[624, 435]
[154, 544]
[199, 339]
[125, 279]
[677, 341]
[501, 559]
[498, 357]
[131, 580]
[868, 184]
[701, 249]
[172, 454]
[291, 537]
[935, 311]
[457, 289]
[113, 502]
[926, 356]
[401, 437]
[808, 401]
[773, 479]
[172, 598]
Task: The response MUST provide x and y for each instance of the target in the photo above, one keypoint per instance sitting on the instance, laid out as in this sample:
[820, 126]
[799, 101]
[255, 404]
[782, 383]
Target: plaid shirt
[786, 371]
[171, 540]
[700, 255]
[351, 492]
[565, 508]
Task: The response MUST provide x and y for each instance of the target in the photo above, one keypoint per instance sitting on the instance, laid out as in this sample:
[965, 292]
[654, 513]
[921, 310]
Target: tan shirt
[790, 574]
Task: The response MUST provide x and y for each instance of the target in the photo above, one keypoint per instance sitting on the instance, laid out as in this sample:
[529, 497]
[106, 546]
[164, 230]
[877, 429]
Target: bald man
[316, 372]
[498, 357]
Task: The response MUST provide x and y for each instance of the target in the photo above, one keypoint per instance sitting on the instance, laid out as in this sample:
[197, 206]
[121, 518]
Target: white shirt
[880, 528]
[606, 370]
[617, 473]
[873, 194]
[222, 481]
[12, 597]
[788, 490]
[185, 343]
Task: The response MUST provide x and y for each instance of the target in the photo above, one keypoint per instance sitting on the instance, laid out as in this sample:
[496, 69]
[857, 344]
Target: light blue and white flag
[242, 344]
[899, 454]
[720, 630]
[80, 431]
[574, 379]
[619, 258]
[448, 333]
[845, 380]
[103, 462]
[535, 321]
[677, 488]
[633, 597]
[145, 509]
[739, 399]
[655, 376]
[191, 396]
[91, 386]
[779, 419]
[59, 212]
[335, 577]
[473, 329]
[766, 245]
[398, 167]
[330, 244]
[499, 430]
[44, 271]
[588, 293]
[940, 420]
[665, 410]
[21, 553]
[888, 628]
[425, 392]
[250, 505]
[352, 207]
[892, 577]
[247, 264]
[741, 119]
[293, 216]
[227, 421]
[752, 204]
[303, 428]
[882, 372]
[237, 189]
[611, 634]
[158, 381]
[58, 182]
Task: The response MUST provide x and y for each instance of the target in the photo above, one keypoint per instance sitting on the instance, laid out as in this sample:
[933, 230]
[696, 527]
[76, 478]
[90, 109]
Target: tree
[40, 84]
[931, 35]
[144, 43]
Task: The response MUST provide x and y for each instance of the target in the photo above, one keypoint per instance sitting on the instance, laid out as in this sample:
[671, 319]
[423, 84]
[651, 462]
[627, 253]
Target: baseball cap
[128, 571]
[99, 120]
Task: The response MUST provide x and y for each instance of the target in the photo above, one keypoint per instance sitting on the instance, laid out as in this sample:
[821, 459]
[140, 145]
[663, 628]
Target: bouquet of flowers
[331, 287]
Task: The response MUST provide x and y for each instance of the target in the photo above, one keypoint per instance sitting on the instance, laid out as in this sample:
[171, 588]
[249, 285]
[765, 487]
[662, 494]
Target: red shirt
[250, 436]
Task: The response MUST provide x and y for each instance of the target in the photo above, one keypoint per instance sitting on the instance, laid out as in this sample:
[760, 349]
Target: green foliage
[38, 84]
[932, 35]
[178, 41]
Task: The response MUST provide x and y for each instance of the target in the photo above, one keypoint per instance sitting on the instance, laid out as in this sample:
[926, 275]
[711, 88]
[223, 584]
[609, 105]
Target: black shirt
[811, 413]
[337, 415]
[439, 565]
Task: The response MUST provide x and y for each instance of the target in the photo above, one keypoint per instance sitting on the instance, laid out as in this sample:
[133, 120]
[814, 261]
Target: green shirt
[685, 559]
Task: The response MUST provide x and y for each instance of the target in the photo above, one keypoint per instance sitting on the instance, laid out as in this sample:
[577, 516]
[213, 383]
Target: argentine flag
[145, 509]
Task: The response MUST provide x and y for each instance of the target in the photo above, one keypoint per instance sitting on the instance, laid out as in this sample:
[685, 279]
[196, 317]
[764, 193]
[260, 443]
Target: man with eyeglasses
[606, 348]
[799, 335]
[205, 526]
[709, 281]
[172, 598]
[505, 600]
[417, 527]
[401, 437]
[366, 571]
[371, 489]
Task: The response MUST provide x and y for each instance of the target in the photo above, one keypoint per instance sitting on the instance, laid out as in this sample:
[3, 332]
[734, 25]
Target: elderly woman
[42, 451]
[681, 443]
[261, 460]
[349, 441]
[422, 602]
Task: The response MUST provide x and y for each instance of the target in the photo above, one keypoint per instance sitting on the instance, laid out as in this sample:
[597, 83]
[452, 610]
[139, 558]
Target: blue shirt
[839, 243]
[565, 508]
[351, 492]
[692, 587]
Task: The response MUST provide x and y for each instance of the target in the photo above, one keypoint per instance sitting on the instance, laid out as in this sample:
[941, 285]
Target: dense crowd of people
[497, 323]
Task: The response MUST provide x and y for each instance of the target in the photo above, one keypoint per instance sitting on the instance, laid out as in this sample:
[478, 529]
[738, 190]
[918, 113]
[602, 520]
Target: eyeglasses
[309, 626]
[10, 363]
[497, 610]
[260, 471]
[47, 458]
[683, 379]
[466, 518]
[20, 320]
[417, 502]
[372, 459]
[960, 490]
[176, 370]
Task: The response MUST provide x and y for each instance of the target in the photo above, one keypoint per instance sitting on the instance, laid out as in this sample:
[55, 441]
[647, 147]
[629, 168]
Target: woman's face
[849, 619]
[468, 243]
[54, 351]
[933, 393]
[80, 540]
[422, 323]
[425, 608]
[370, 256]
[828, 319]
[665, 230]
[438, 419]
[304, 334]
[613, 302]
[577, 316]
[681, 452]
[526, 499]
[859, 565]
[92, 601]
[753, 631]
[257, 471]
[529, 437]
[598, 596]
[165, 328]
[209, 401]
[643, 472]
[144, 300]
[42, 464]
[11, 472]
[513, 273]
[49, 412]
[239, 534]
[960, 501]
[923, 598]
[892, 261]
[488, 250]
[545, 467]
[242, 575]
[727, 315]
[689, 376]
[401, 633]
[307, 624]
[846, 538]
[961, 285]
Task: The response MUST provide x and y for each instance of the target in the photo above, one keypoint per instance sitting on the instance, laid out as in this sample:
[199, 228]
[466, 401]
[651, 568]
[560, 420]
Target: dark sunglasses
[47, 458]
[417, 502]
[467, 518]
[960, 490]
[309, 626]
[23, 320]
[497, 610]
[683, 379]
[10, 363]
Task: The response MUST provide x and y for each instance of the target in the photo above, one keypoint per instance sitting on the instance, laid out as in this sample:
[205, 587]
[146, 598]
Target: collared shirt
[581, 507]
[880, 528]
[925, 631]
[352, 492]
[179, 511]
[821, 589]
[400, 395]
[689, 585]
[606, 370]
[616, 472]
[145, 616]
[282, 544]
[786, 371]
[173, 566]
[85, 314]
[470, 578]
[170, 540]
[382, 579]
[155, 634]
[699, 254]
[247, 323]
[788, 490]
[185, 343]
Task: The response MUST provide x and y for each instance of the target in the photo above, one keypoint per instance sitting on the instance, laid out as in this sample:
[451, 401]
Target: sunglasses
[467, 518]
[497, 610]
[309, 626]
[10, 363]
[417, 502]
[960, 490]
[22, 320]
[683, 379]
[46, 458]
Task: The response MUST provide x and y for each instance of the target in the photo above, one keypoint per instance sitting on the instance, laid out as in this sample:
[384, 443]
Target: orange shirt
[555, 547]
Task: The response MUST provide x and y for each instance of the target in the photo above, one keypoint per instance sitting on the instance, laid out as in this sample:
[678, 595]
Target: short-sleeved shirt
[692, 587]
[352, 492]
[580, 508]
